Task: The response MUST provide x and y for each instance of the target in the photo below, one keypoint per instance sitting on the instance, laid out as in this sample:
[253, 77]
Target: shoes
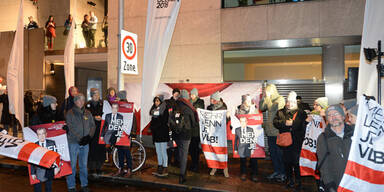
[226, 174]
[213, 171]
[195, 169]
[254, 179]
[182, 179]
[72, 190]
[164, 172]
[243, 177]
[272, 176]
[119, 173]
[281, 178]
[85, 189]
[127, 173]
[159, 171]
[290, 183]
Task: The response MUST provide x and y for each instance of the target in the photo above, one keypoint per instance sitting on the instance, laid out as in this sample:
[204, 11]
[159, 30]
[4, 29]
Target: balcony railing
[244, 3]
[80, 40]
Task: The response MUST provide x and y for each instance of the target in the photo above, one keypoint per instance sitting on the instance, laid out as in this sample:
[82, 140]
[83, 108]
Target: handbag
[285, 139]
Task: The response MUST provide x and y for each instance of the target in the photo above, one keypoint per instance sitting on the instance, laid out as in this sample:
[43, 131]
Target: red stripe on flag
[49, 158]
[308, 155]
[216, 164]
[216, 150]
[306, 171]
[342, 189]
[26, 151]
[364, 173]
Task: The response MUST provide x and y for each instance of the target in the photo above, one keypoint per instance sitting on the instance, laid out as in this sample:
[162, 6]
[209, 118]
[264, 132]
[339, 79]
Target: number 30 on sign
[128, 53]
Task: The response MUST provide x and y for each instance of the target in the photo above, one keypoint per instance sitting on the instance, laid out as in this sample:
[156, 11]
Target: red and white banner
[230, 92]
[119, 127]
[213, 137]
[56, 134]
[365, 167]
[20, 149]
[248, 141]
[308, 158]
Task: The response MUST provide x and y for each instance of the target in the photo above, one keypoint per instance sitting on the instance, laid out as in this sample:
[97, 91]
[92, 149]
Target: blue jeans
[81, 152]
[276, 155]
[161, 152]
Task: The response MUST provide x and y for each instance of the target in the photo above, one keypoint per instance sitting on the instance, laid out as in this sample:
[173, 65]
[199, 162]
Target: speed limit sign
[128, 53]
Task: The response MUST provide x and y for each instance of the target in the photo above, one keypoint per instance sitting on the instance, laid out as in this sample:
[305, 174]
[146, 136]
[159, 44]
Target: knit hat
[78, 96]
[215, 96]
[93, 91]
[161, 97]
[323, 102]
[335, 107]
[175, 90]
[122, 94]
[354, 110]
[245, 98]
[184, 94]
[349, 103]
[194, 91]
[48, 100]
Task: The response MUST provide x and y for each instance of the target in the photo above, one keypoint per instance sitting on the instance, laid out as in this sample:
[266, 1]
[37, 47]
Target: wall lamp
[52, 70]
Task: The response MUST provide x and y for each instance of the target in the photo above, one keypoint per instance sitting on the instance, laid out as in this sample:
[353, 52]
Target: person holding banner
[194, 147]
[333, 147]
[81, 128]
[291, 120]
[181, 120]
[218, 104]
[242, 137]
[272, 102]
[111, 95]
[160, 134]
[48, 112]
[44, 175]
[96, 151]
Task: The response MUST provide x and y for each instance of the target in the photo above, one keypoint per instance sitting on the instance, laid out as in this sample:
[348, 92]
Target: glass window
[273, 64]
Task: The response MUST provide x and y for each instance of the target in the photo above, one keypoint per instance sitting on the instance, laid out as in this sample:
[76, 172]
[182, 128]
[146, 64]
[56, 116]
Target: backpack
[176, 122]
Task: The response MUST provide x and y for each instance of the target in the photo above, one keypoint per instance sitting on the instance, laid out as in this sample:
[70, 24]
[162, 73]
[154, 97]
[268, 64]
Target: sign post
[128, 55]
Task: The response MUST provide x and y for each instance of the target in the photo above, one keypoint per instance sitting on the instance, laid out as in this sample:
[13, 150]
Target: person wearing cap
[333, 146]
[319, 107]
[217, 104]
[160, 134]
[96, 156]
[81, 128]
[194, 147]
[272, 102]
[48, 112]
[292, 119]
[181, 121]
[247, 107]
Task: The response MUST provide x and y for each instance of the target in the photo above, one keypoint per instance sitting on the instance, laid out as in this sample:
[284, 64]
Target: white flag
[161, 20]
[15, 73]
[69, 60]
[372, 32]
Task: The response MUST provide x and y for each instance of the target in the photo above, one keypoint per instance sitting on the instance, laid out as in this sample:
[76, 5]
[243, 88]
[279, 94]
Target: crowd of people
[88, 26]
[175, 120]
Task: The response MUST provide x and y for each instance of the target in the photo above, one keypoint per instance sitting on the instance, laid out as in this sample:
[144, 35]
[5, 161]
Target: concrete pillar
[333, 72]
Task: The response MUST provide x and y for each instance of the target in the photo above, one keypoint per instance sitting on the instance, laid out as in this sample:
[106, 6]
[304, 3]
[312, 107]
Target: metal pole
[120, 27]
[379, 67]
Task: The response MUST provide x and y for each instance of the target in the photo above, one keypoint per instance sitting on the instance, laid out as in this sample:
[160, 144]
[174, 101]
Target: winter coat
[198, 104]
[298, 126]
[96, 150]
[46, 115]
[272, 106]
[334, 163]
[189, 120]
[5, 116]
[80, 124]
[67, 105]
[159, 123]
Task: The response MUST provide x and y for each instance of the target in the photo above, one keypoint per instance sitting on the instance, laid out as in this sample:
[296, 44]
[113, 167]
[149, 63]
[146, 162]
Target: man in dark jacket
[333, 146]
[81, 128]
[171, 105]
[182, 120]
[68, 102]
[194, 149]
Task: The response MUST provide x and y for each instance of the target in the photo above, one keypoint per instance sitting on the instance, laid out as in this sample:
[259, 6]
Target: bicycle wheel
[138, 155]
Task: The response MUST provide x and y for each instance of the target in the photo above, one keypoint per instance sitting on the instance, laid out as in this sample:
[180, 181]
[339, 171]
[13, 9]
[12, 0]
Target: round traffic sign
[129, 47]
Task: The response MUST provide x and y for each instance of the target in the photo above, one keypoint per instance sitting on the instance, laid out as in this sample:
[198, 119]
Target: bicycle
[137, 152]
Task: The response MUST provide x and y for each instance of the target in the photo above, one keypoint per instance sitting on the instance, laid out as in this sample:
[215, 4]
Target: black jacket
[298, 126]
[332, 153]
[159, 124]
[198, 104]
[189, 120]
[5, 116]
[96, 150]
[46, 115]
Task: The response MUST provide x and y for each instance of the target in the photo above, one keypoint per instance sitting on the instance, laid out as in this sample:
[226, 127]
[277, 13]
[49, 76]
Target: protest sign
[213, 137]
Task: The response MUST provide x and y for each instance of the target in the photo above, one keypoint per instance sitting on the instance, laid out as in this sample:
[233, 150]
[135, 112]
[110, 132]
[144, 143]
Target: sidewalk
[201, 181]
